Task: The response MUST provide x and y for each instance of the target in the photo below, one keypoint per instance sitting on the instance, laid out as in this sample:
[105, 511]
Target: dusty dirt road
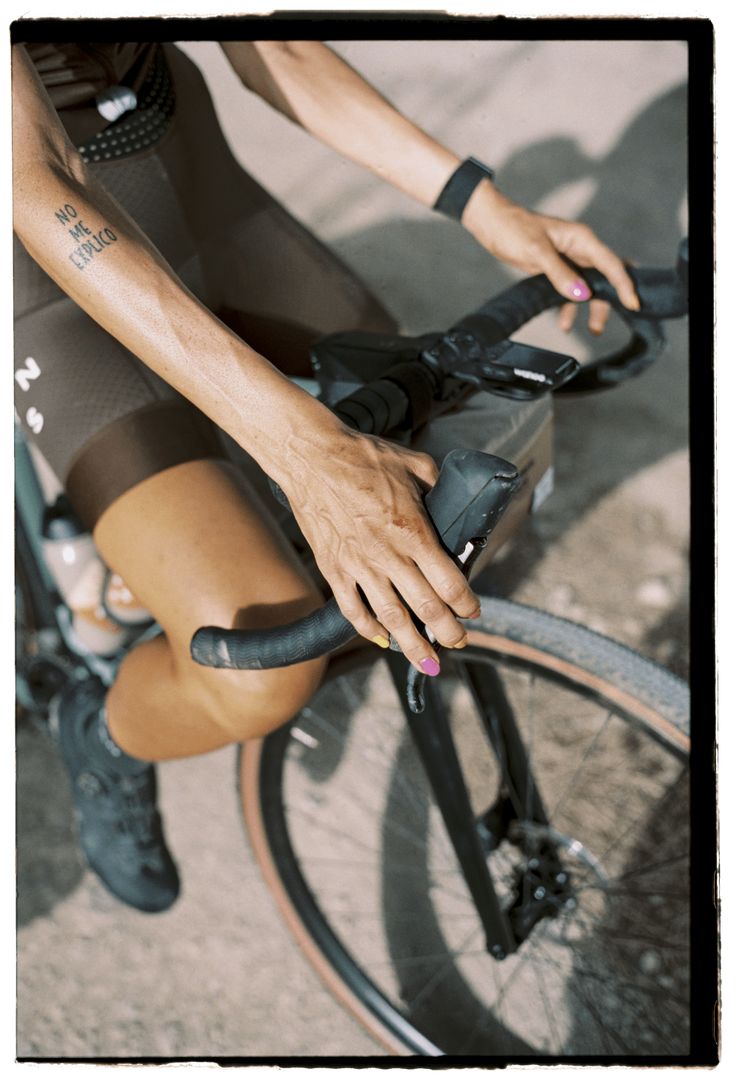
[588, 129]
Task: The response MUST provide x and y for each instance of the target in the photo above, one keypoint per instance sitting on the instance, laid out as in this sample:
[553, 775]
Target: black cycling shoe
[120, 830]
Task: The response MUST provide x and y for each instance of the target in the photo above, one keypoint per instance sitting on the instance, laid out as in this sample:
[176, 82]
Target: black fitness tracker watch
[454, 196]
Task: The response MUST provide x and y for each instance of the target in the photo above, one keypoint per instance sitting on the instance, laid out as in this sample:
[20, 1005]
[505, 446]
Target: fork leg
[433, 739]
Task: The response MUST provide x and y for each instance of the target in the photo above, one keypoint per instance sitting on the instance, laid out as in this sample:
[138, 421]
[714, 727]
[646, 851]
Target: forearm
[98, 256]
[313, 86]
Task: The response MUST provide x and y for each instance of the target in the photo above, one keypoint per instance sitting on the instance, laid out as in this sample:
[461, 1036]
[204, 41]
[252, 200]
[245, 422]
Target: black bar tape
[374, 409]
[517, 305]
[305, 639]
[418, 384]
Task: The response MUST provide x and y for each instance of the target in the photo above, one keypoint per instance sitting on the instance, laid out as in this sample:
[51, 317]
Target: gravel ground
[588, 129]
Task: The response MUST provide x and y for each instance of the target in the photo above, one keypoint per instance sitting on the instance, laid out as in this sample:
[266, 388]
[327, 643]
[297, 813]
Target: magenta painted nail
[580, 291]
[430, 666]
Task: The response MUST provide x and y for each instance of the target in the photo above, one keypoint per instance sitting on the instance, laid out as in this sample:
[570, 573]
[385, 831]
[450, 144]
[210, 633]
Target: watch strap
[454, 196]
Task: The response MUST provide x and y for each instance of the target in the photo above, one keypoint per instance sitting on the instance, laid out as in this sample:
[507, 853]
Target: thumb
[565, 280]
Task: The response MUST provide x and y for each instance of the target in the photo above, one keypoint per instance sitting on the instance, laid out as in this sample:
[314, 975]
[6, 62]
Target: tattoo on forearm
[91, 243]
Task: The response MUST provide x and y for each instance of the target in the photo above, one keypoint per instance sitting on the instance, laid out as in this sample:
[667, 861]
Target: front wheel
[344, 824]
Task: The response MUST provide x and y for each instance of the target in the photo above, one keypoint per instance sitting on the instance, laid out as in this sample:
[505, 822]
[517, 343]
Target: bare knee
[249, 704]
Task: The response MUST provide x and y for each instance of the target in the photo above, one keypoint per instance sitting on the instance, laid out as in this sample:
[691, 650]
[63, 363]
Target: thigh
[197, 547]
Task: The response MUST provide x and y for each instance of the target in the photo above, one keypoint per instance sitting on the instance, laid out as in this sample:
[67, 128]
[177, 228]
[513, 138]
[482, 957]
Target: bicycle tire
[605, 1004]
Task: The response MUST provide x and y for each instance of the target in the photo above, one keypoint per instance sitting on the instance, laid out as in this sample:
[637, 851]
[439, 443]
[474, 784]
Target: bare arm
[309, 83]
[101, 259]
[356, 498]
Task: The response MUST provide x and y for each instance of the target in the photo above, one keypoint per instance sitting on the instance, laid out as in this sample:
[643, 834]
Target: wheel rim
[563, 993]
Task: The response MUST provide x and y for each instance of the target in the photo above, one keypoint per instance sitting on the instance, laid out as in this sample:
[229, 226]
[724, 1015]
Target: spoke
[522, 962]
[304, 814]
[447, 957]
[617, 842]
[396, 914]
[483, 1020]
[442, 971]
[647, 868]
[646, 939]
[551, 1021]
[613, 982]
[579, 992]
[638, 894]
[386, 759]
[418, 805]
[376, 862]
[376, 813]
[565, 795]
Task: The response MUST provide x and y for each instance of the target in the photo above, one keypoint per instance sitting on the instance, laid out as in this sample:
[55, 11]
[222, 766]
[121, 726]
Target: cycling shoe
[120, 829]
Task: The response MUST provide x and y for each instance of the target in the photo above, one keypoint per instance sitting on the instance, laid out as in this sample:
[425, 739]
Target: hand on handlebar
[360, 509]
[538, 243]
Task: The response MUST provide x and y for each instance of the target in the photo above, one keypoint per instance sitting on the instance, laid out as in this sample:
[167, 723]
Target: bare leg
[197, 547]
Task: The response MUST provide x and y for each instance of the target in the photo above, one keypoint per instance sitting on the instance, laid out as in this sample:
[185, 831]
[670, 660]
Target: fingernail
[579, 291]
[380, 640]
[430, 666]
[476, 615]
[461, 644]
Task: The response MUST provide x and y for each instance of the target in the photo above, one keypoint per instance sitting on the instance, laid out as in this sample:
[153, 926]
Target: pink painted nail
[580, 291]
[430, 666]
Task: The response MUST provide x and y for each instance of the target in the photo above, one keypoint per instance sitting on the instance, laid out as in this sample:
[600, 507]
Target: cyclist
[163, 295]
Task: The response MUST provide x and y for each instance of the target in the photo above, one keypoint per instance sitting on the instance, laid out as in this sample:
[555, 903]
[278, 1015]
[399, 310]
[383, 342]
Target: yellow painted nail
[380, 640]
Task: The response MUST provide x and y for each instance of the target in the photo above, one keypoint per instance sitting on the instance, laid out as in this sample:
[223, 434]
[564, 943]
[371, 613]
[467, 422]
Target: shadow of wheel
[644, 937]
[438, 1000]
[625, 991]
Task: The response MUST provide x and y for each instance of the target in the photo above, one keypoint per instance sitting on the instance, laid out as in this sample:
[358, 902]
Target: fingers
[598, 316]
[580, 243]
[355, 611]
[391, 611]
[394, 620]
[568, 313]
[389, 602]
[613, 268]
[411, 591]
